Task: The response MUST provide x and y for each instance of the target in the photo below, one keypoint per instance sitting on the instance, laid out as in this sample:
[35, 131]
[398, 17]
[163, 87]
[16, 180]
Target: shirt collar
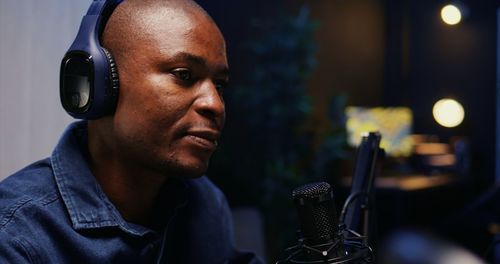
[86, 203]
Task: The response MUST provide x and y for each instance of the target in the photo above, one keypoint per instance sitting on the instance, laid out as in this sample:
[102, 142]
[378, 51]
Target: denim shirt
[54, 211]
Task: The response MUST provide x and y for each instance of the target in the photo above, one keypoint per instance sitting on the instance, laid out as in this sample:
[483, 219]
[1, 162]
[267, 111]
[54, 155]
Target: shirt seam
[26, 246]
[9, 214]
[7, 217]
[49, 198]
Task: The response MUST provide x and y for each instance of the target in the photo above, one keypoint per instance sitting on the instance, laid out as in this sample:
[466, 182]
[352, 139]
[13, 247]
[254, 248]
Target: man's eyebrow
[197, 60]
[191, 58]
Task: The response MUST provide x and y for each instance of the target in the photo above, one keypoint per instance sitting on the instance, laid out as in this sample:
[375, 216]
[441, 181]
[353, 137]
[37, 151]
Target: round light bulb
[451, 15]
[448, 112]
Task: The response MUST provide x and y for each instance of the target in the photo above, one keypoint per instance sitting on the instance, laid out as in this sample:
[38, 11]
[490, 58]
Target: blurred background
[307, 77]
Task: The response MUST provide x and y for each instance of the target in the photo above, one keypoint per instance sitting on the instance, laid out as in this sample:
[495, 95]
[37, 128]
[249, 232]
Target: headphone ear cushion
[114, 80]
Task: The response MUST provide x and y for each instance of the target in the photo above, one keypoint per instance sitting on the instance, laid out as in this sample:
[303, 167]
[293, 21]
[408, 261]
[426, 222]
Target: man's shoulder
[31, 214]
[33, 180]
[26, 189]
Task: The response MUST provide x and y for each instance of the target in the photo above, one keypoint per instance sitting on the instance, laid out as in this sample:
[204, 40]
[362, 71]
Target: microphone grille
[311, 190]
[316, 212]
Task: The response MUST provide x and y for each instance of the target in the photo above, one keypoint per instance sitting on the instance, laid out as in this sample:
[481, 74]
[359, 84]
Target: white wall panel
[34, 34]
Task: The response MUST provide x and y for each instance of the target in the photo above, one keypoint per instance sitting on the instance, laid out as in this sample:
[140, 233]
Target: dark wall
[351, 53]
[350, 41]
[459, 62]
[389, 53]
[400, 53]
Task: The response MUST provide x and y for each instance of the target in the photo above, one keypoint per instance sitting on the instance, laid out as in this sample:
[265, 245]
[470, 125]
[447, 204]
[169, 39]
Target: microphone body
[321, 238]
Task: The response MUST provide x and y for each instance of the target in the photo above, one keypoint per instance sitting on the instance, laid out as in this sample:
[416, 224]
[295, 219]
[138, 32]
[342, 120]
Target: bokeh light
[448, 112]
[451, 15]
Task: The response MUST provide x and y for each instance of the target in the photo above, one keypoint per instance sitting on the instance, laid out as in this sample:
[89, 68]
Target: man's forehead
[147, 12]
[151, 21]
[150, 18]
[138, 25]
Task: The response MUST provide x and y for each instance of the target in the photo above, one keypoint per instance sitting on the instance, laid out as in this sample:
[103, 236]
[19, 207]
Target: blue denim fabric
[54, 211]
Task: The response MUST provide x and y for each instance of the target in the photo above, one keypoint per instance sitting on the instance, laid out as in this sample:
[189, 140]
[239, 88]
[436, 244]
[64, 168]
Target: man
[128, 187]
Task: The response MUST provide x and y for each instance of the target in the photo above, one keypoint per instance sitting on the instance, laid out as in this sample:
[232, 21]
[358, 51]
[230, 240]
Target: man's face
[170, 111]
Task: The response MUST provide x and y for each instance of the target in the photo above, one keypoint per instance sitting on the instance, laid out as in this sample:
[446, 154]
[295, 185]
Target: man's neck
[133, 193]
[130, 188]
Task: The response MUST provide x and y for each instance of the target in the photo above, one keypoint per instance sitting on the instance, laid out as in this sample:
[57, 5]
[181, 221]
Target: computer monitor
[393, 123]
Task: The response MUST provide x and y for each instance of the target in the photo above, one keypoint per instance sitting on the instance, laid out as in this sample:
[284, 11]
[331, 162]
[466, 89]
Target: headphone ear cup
[114, 80]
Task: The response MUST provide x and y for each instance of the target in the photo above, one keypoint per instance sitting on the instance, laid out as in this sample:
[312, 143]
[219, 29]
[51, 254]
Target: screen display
[393, 123]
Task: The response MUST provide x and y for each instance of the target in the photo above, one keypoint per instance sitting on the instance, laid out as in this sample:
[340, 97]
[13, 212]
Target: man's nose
[210, 103]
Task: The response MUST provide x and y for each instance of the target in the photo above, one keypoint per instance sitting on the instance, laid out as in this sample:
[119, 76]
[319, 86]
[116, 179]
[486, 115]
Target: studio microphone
[321, 238]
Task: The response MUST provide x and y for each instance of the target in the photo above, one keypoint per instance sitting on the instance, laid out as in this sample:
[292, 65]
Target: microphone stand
[360, 204]
[323, 240]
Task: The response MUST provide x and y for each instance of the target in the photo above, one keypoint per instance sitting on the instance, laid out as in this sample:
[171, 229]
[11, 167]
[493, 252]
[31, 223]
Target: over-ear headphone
[89, 77]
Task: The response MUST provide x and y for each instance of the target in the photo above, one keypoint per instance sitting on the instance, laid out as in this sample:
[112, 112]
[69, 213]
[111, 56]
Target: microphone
[321, 238]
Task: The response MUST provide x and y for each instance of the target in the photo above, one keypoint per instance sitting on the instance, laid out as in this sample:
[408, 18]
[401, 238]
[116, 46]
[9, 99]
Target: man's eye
[182, 74]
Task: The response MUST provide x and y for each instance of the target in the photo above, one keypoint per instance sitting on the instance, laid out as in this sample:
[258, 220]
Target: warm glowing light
[451, 15]
[448, 112]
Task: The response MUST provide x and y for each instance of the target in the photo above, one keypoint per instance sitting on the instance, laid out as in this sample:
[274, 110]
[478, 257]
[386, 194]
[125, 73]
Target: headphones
[89, 77]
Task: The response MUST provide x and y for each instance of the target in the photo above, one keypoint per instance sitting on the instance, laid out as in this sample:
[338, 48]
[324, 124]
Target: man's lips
[206, 139]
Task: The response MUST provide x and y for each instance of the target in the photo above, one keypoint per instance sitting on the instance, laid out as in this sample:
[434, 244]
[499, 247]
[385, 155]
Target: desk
[412, 182]
[413, 201]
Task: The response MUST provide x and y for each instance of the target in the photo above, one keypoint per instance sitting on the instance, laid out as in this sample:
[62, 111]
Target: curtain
[34, 35]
